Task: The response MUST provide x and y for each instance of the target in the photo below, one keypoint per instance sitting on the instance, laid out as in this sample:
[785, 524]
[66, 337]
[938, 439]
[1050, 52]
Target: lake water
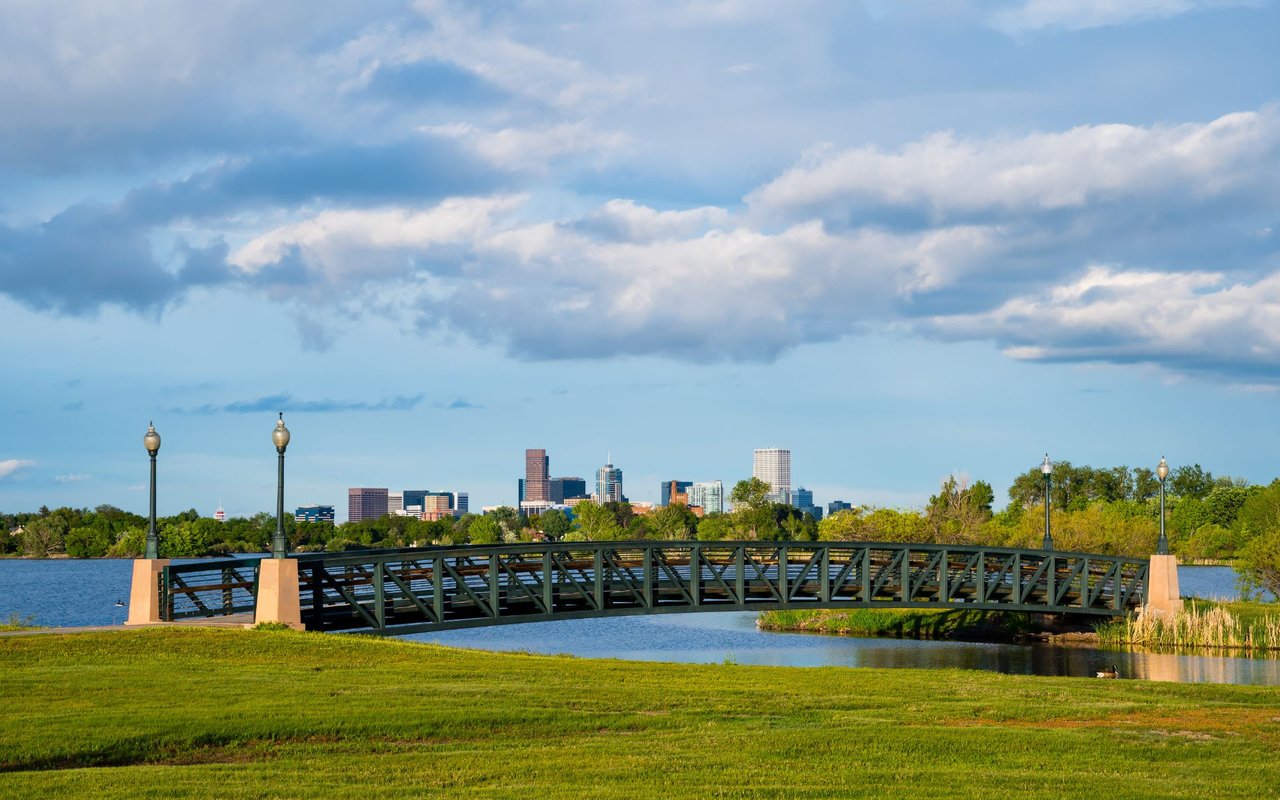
[67, 592]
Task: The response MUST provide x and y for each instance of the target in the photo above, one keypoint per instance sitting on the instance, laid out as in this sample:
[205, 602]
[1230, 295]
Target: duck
[1109, 672]
[119, 604]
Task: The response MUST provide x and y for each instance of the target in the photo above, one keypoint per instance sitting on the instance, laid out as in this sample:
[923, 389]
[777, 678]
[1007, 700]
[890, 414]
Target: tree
[88, 542]
[45, 536]
[596, 522]
[752, 492]
[485, 530]
[959, 511]
[716, 527]
[1191, 481]
[554, 523]
[1258, 564]
[753, 514]
[674, 521]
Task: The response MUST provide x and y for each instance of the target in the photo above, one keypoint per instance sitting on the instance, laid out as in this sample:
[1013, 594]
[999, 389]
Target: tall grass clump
[1195, 626]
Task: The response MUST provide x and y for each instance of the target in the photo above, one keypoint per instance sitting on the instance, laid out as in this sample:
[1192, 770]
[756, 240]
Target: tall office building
[366, 503]
[395, 502]
[838, 505]
[707, 495]
[463, 504]
[413, 498]
[802, 499]
[537, 482]
[674, 492]
[567, 488]
[609, 484]
[773, 466]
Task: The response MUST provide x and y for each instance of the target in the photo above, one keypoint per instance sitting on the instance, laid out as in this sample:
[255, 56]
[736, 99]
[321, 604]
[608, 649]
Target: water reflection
[733, 637]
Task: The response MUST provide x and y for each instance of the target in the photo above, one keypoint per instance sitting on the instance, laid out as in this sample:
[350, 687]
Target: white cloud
[362, 243]
[73, 477]
[12, 466]
[943, 174]
[1033, 15]
[531, 149]
[1187, 321]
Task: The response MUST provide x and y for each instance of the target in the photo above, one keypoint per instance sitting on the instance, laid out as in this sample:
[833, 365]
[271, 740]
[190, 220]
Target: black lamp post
[151, 441]
[1047, 469]
[1162, 472]
[280, 438]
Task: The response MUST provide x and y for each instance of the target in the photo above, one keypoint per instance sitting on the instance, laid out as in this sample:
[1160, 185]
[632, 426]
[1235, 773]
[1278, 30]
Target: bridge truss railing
[452, 587]
[208, 588]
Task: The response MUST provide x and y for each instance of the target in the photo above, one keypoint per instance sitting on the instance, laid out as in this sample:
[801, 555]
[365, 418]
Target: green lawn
[223, 713]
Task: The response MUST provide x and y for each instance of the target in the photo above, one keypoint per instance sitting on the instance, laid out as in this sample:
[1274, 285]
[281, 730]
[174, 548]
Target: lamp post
[1047, 469]
[151, 441]
[280, 438]
[1162, 472]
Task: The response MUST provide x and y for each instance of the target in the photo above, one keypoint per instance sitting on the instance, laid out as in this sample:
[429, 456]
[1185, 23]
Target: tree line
[1110, 510]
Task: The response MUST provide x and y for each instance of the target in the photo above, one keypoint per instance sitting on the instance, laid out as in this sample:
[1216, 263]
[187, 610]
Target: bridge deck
[451, 587]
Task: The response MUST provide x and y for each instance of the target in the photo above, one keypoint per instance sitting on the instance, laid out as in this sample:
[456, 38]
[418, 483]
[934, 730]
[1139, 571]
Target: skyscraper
[395, 502]
[366, 503]
[536, 476]
[673, 492]
[609, 484]
[802, 499]
[567, 487]
[463, 506]
[707, 495]
[773, 466]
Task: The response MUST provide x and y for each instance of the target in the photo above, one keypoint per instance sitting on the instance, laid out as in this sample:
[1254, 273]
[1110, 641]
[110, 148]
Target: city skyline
[905, 241]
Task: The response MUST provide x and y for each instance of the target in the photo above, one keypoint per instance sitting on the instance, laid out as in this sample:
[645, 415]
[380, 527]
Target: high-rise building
[567, 488]
[802, 499]
[536, 476]
[707, 495]
[609, 484]
[838, 505]
[436, 505]
[366, 503]
[519, 492]
[413, 498]
[463, 504]
[674, 492]
[313, 514]
[395, 502]
[773, 466]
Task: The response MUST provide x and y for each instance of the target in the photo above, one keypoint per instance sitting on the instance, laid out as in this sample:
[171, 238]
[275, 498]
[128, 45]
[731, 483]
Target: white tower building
[773, 466]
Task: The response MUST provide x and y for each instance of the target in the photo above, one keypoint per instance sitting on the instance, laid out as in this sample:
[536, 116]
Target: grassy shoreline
[200, 713]
[961, 624]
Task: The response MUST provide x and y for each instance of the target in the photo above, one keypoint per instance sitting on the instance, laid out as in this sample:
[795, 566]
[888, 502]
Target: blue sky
[902, 240]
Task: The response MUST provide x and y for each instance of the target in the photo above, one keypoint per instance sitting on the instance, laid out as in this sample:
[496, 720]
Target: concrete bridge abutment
[1163, 597]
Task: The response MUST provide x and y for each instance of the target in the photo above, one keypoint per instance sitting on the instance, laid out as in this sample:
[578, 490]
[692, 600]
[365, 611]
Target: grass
[903, 623]
[18, 623]
[1202, 624]
[230, 713]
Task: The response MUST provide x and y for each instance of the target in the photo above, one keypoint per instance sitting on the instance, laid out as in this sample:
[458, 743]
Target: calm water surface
[67, 592]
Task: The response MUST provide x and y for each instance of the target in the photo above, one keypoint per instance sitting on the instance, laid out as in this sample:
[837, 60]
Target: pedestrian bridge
[438, 588]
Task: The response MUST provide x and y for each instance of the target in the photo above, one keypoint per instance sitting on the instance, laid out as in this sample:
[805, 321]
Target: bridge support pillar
[1163, 598]
[144, 593]
[278, 593]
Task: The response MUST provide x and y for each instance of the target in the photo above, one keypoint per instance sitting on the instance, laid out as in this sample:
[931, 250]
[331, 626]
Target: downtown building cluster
[537, 491]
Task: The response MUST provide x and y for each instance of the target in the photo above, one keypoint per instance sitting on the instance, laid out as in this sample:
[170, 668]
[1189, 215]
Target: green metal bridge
[438, 588]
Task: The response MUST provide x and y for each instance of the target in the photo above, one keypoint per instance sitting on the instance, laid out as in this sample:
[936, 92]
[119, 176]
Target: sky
[903, 239]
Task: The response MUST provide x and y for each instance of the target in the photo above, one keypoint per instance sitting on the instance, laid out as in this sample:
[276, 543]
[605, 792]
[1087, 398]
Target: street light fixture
[280, 438]
[1162, 472]
[1047, 469]
[151, 441]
